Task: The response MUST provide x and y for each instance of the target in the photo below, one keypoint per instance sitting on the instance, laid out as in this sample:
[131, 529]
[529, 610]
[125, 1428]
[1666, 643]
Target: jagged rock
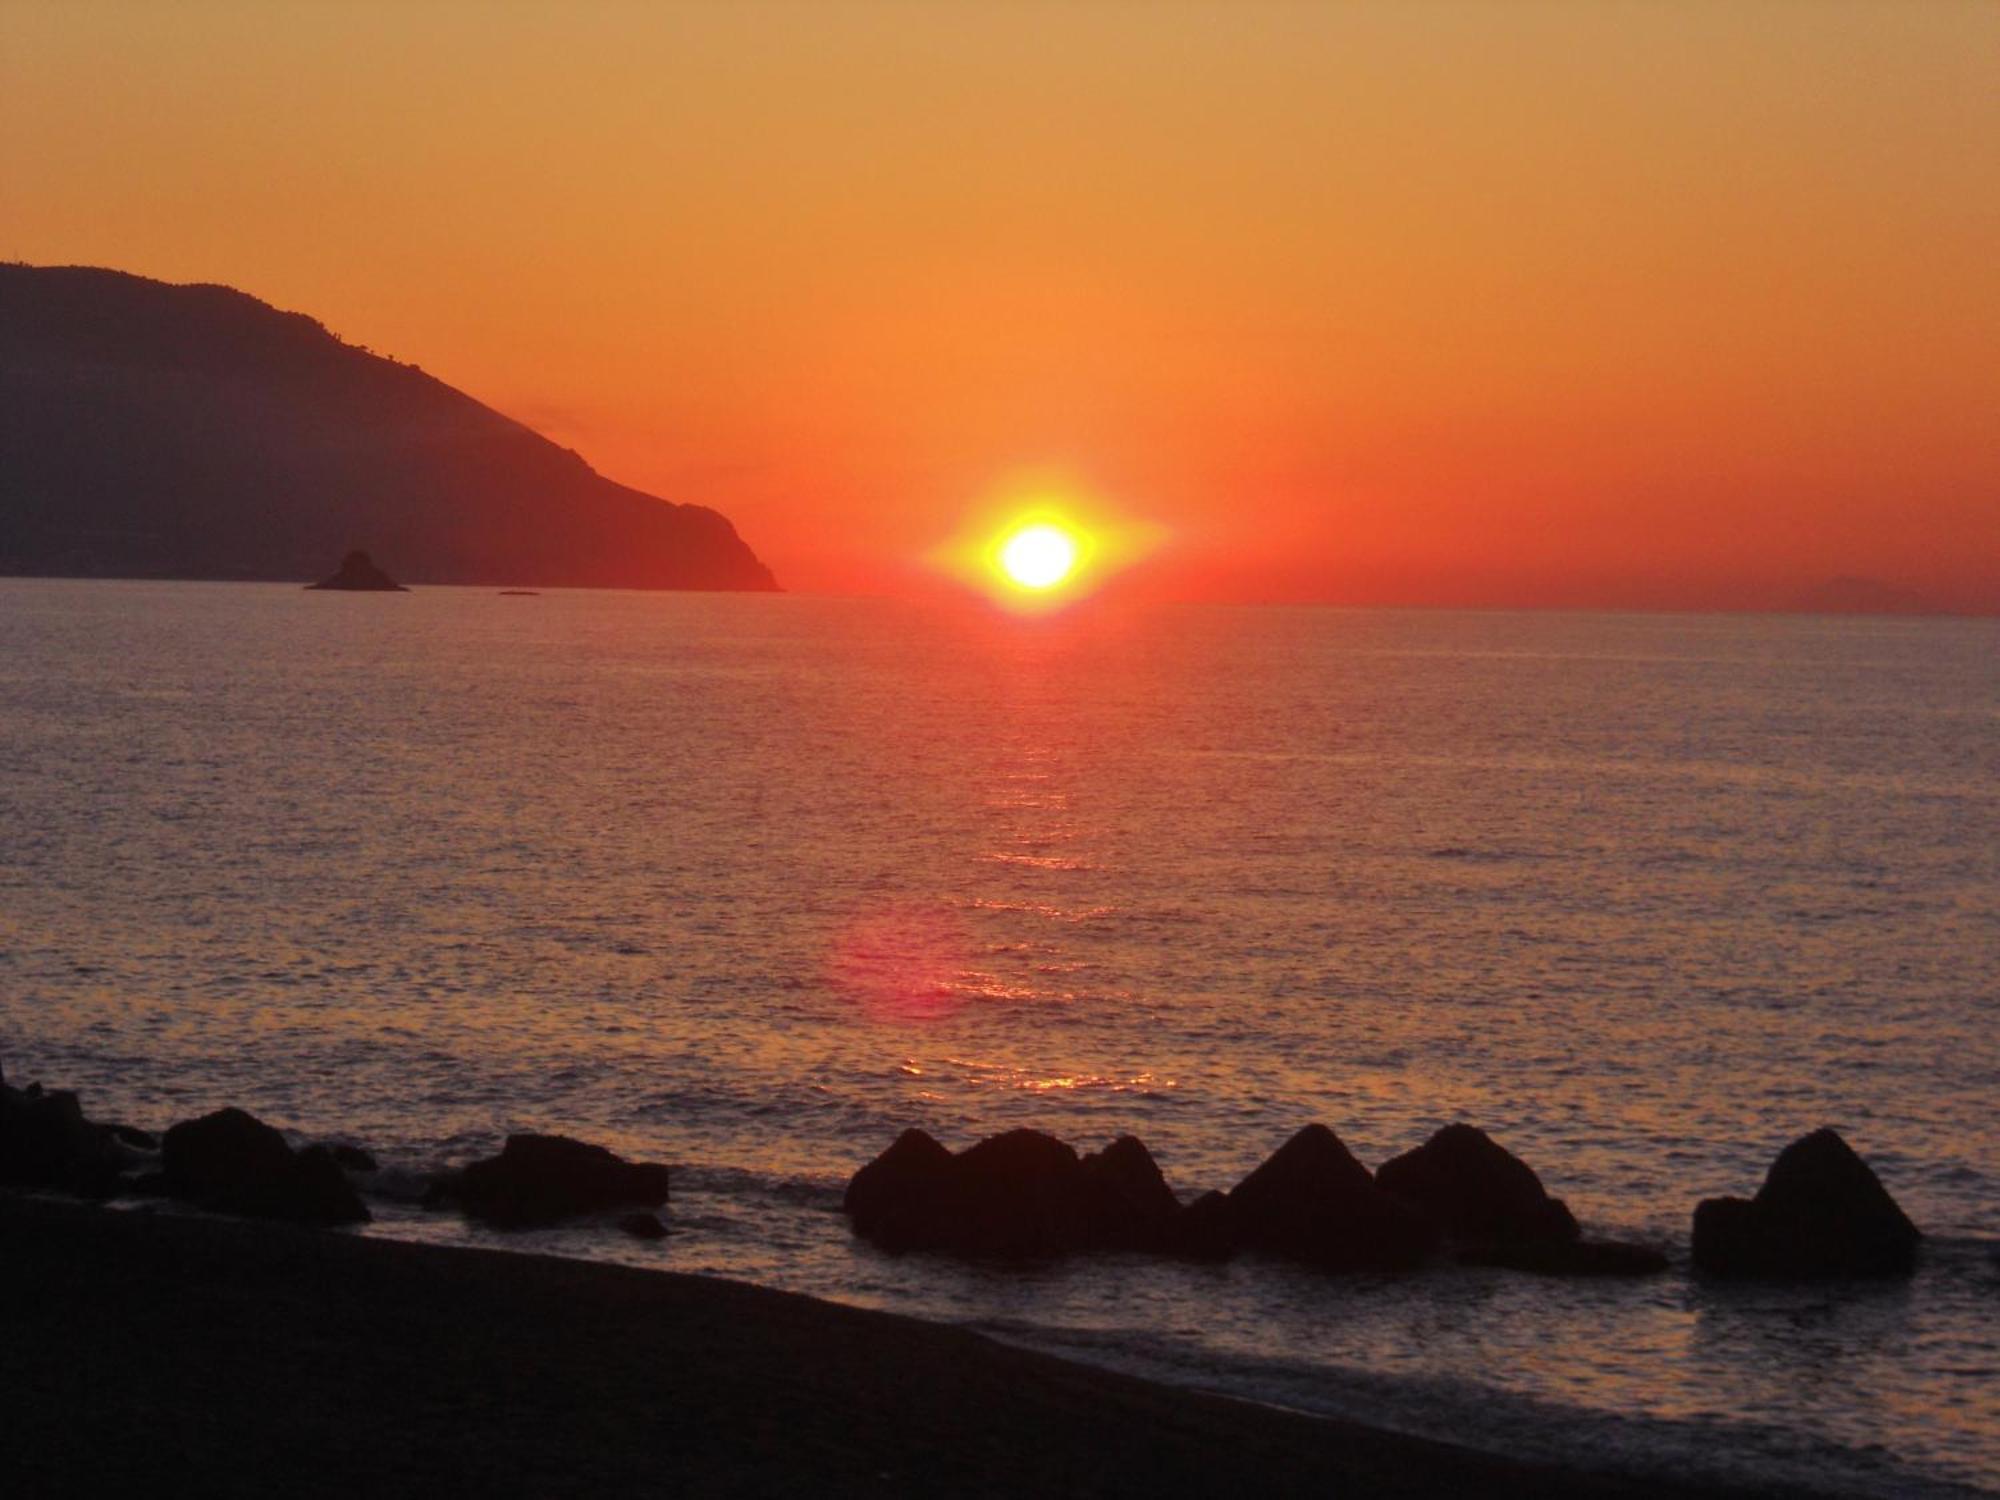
[1821, 1212]
[45, 1142]
[887, 1199]
[1569, 1257]
[1312, 1201]
[1126, 1201]
[1020, 1195]
[233, 1162]
[1017, 1195]
[643, 1226]
[1476, 1190]
[212, 1156]
[358, 574]
[1204, 1230]
[542, 1179]
[322, 1187]
[352, 1158]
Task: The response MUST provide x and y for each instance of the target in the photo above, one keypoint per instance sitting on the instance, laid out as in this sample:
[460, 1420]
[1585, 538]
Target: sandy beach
[208, 1356]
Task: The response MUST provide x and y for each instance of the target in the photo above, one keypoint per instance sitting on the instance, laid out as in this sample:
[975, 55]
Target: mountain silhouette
[157, 431]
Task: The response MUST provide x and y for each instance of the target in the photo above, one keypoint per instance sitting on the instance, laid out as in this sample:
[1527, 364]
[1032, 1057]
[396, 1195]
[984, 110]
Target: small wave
[1481, 856]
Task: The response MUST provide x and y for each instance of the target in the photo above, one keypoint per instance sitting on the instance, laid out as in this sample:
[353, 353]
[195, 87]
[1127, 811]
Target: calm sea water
[749, 884]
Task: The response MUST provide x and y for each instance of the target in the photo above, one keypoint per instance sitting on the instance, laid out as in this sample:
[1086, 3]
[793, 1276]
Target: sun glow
[1039, 556]
[1040, 546]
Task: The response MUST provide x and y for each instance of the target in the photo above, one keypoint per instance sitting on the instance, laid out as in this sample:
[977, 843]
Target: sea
[748, 884]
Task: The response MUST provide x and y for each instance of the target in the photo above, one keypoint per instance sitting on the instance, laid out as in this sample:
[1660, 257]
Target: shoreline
[225, 1356]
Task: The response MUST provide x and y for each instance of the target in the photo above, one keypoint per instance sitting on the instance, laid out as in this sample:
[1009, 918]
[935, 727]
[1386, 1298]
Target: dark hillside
[159, 431]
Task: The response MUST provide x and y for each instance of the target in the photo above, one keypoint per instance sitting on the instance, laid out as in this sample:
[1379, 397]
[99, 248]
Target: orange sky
[1622, 303]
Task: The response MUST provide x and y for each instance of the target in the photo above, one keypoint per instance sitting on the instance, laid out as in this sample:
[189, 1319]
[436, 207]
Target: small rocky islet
[1023, 1196]
[357, 574]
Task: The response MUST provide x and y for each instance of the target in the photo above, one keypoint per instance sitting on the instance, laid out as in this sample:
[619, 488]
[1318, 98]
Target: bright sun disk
[1039, 556]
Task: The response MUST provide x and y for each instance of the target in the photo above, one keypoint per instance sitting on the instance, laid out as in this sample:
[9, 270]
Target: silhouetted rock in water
[1127, 1204]
[45, 1142]
[520, 593]
[1568, 1257]
[543, 1179]
[1821, 1212]
[1204, 1230]
[1312, 1201]
[352, 1158]
[233, 1162]
[358, 574]
[1476, 1190]
[1023, 1195]
[643, 1226]
[891, 1199]
[1018, 1195]
[156, 431]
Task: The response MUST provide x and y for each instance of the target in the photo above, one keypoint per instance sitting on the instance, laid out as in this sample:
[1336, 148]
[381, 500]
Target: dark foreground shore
[204, 1356]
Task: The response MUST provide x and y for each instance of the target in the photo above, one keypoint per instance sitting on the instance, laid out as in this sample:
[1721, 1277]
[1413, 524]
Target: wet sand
[202, 1356]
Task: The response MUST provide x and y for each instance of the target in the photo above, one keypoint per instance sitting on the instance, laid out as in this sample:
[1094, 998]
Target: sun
[1038, 556]
[1037, 545]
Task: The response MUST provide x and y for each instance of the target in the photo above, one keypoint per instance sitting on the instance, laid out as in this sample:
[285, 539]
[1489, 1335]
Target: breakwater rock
[233, 1162]
[1820, 1213]
[544, 1179]
[1025, 1195]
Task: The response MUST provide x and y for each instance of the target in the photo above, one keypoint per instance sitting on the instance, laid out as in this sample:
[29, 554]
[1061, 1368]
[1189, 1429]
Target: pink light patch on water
[904, 962]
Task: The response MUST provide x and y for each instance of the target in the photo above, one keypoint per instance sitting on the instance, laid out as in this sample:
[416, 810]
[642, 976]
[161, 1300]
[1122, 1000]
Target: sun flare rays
[1035, 550]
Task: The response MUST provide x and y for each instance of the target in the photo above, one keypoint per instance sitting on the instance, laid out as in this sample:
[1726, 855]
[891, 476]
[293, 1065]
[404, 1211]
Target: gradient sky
[1679, 304]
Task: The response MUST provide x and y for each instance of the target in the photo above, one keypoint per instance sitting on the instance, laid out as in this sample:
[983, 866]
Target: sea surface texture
[749, 884]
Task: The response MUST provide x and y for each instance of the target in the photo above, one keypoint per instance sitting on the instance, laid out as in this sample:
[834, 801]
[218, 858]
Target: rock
[1127, 1204]
[888, 1199]
[358, 574]
[233, 1162]
[1821, 1212]
[1022, 1195]
[542, 1179]
[138, 1140]
[1476, 1190]
[45, 1142]
[1312, 1164]
[321, 1190]
[997, 1198]
[1314, 1202]
[643, 1226]
[1204, 1230]
[212, 1156]
[1569, 1257]
[352, 1158]
[1018, 1196]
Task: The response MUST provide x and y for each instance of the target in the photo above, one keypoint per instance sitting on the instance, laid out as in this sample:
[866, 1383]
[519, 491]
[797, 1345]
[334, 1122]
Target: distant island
[158, 431]
[358, 574]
